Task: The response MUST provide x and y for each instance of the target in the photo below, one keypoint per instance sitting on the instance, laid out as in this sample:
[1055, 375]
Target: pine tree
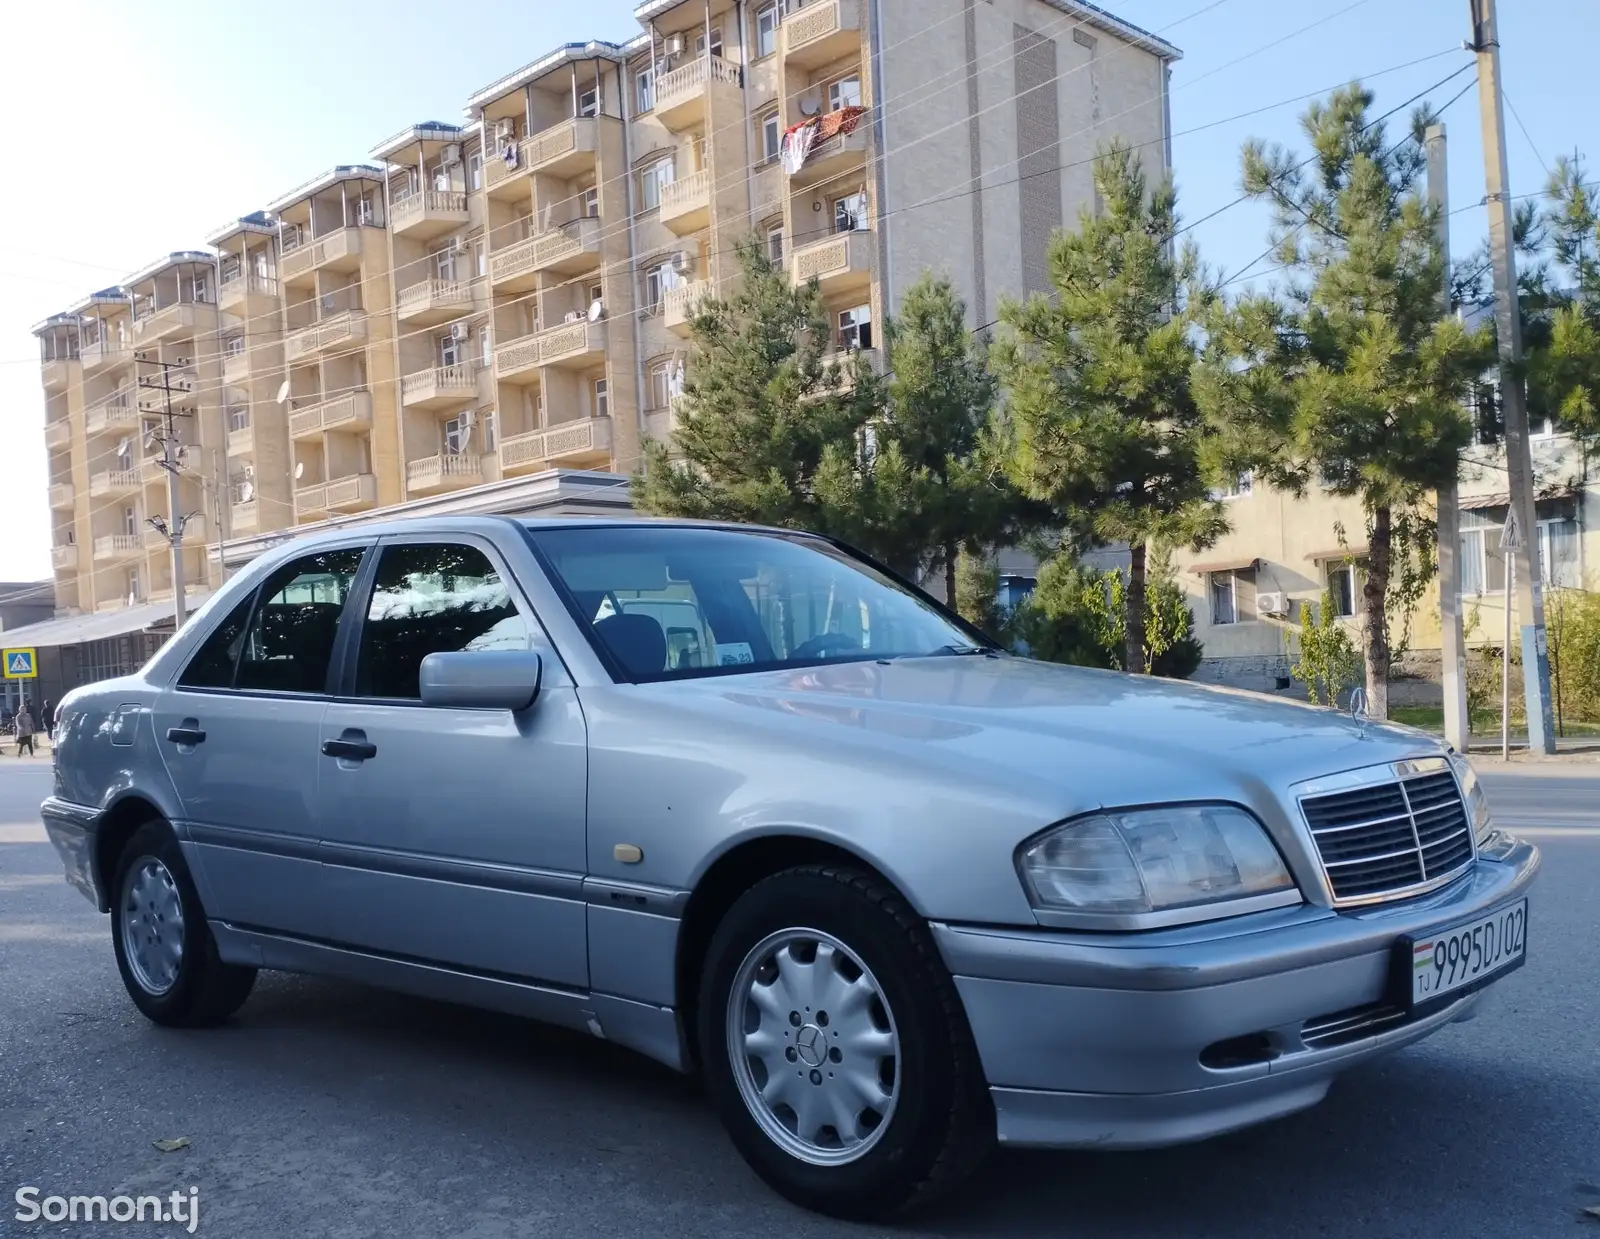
[1104, 427]
[1352, 376]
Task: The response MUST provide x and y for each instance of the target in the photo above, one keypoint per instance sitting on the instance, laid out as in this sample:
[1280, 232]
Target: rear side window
[289, 642]
[213, 663]
[432, 598]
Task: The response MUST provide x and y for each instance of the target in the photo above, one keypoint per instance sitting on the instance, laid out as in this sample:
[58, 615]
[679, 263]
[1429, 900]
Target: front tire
[165, 950]
[836, 1048]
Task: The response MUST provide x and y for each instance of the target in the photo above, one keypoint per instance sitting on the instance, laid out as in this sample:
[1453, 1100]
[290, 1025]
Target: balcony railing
[572, 344]
[160, 324]
[242, 442]
[114, 481]
[434, 301]
[682, 303]
[54, 374]
[359, 490]
[118, 545]
[341, 328]
[194, 530]
[681, 94]
[581, 441]
[565, 147]
[63, 557]
[61, 495]
[445, 470]
[346, 412]
[105, 353]
[115, 413]
[237, 288]
[686, 204]
[836, 263]
[244, 516]
[58, 434]
[438, 386]
[821, 33]
[428, 213]
[339, 250]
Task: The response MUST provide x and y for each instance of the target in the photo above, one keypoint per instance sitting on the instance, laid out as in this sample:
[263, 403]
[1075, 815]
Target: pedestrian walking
[25, 729]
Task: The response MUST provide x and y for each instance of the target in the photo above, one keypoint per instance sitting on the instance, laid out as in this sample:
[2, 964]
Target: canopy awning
[1225, 565]
[76, 629]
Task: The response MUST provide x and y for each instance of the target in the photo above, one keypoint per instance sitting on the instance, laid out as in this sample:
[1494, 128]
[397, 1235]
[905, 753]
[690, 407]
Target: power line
[1532, 145]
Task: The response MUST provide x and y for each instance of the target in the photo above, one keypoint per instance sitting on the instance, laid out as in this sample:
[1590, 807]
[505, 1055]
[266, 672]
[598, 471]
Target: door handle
[349, 750]
[186, 735]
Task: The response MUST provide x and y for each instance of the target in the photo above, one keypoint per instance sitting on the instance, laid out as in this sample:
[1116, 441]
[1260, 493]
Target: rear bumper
[72, 829]
[1097, 1039]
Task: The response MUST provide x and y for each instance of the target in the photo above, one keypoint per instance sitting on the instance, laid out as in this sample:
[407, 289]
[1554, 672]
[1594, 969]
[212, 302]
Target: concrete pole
[1508, 326]
[1452, 639]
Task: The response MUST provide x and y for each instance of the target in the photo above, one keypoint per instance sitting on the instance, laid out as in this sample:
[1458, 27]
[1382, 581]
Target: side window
[432, 598]
[290, 639]
[213, 663]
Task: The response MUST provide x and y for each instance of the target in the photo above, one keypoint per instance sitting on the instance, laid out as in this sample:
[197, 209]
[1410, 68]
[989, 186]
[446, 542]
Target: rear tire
[165, 950]
[863, 1111]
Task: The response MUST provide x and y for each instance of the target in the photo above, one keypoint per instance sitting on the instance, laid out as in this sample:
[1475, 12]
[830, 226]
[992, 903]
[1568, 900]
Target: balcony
[681, 95]
[681, 304]
[247, 294]
[118, 546]
[439, 387]
[837, 156]
[152, 472]
[661, 424]
[518, 361]
[580, 444]
[58, 434]
[340, 333]
[236, 367]
[310, 502]
[445, 472]
[350, 494]
[54, 375]
[109, 353]
[116, 413]
[569, 250]
[434, 301]
[430, 213]
[339, 250]
[173, 320]
[575, 345]
[62, 495]
[114, 482]
[242, 442]
[686, 204]
[244, 517]
[64, 558]
[351, 411]
[841, 263]
[844, 361]
[821, 33]
[194, 531]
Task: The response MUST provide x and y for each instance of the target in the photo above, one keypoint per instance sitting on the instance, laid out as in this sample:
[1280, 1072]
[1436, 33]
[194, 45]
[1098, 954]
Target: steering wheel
[825, 643]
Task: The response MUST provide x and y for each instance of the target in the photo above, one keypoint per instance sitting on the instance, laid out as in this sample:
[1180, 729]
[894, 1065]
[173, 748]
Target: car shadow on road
[1371, 1151]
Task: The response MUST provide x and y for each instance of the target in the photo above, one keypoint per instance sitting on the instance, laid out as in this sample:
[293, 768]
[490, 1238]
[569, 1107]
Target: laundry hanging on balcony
[510, 154]
[800, 140]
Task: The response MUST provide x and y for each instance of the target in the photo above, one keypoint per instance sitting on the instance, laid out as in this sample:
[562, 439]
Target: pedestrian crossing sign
[21, 664]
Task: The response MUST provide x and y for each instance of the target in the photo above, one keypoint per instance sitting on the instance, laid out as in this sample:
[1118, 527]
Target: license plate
[1463, 957]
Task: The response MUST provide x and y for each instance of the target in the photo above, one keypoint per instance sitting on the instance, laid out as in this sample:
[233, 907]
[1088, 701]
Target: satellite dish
[150, 438]
[249, 471]
[299, 470]
[597, 310]
[466, 436]
[810, 107]
[122, 447]
[283, 392]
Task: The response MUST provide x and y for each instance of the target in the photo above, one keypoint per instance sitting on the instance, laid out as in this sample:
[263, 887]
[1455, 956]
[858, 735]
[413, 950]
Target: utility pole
[172, 527]
[1508, 327]
[1452, 637]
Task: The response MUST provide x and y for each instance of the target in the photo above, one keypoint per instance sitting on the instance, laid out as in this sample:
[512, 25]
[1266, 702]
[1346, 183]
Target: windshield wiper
[962, 651]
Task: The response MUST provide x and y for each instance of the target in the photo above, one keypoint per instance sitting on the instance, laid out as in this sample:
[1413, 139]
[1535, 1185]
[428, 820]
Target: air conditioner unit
[458, 331]
[1272, 604]
[505, 129]
[683, 260]
[452, 155]
[672, 45]
[573, 316]
[458, 245]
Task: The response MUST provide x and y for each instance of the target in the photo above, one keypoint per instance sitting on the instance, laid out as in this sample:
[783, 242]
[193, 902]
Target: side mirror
[481, 679]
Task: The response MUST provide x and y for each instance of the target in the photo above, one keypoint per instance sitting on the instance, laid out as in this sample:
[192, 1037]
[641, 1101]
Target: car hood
[1117, 738]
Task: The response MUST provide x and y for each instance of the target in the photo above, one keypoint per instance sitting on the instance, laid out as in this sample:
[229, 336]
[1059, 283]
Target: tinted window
[290, 640]
[672, 602]
[432, 598]
[213, 663]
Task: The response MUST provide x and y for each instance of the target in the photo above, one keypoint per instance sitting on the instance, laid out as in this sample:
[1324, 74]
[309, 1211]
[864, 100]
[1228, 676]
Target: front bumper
[1096, 1039]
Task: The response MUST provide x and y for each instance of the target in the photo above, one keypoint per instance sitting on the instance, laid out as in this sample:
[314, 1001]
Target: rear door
[453, 835]
[239, 733]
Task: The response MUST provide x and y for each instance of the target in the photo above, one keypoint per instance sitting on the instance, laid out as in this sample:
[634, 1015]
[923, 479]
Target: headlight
[1153, 860]
[1477, 802]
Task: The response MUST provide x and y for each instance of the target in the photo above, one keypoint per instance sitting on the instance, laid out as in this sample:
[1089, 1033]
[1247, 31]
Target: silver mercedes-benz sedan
[743, 801]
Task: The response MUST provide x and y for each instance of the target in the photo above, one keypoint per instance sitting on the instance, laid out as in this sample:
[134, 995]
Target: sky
[159, 121]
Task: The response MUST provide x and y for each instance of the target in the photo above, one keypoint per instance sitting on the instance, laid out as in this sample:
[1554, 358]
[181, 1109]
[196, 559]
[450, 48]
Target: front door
[450, 835]
[239, 734]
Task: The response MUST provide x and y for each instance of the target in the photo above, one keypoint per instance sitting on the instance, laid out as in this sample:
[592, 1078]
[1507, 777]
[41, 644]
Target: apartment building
[497, 311]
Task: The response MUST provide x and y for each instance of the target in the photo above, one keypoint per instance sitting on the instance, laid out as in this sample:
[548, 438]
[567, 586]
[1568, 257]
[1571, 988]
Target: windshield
[670, 602]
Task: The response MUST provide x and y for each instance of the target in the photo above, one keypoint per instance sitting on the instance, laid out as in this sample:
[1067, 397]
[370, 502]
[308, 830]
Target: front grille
[1390, 837]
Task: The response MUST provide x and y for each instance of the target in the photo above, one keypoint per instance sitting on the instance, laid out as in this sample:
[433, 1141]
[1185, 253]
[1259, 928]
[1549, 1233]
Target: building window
[845, 93]
[457, 434]
[449, 350]
[486, 419]
[444, 263]
[653, 178]
[240, 488]
[850, 213]
[134, 592]
[1483, 561]
[602, 399]
[484, 347]
[1238, 488]
[771, 138]
[239, 417]
[1233, 595]
[480, 258]
[645, 85]
[589, 102]
[202, 288]
[1344, 586]
[661, 385]
[475, 170]
[713, 45]
[657, 280]
[766, 30]
[591, 202]
[775, 244]
[597, 292]
[855, 328]
[130, 521]
[234, 346]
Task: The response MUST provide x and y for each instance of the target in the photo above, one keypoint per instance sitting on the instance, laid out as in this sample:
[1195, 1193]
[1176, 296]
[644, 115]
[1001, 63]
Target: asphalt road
[331, 1110]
